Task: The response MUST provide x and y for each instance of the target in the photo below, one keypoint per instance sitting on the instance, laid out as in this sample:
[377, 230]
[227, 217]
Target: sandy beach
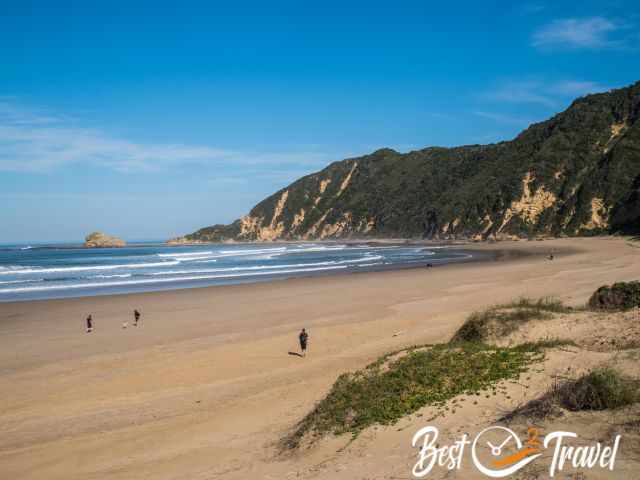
[205, 387]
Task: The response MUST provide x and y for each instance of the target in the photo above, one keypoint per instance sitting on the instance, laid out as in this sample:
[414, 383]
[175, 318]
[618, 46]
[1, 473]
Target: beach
[205, 386]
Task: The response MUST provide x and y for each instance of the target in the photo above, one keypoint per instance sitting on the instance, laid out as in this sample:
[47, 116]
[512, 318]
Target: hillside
[577, 173]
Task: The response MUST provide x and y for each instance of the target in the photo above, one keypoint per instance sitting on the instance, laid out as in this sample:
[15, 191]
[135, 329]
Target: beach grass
[603, 388]
[619, 296]
[399, 385]
[501, 320]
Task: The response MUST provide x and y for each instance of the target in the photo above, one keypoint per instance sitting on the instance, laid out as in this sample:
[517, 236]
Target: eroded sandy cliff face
[577, 173]
[310, 218]
[261, 229]
[528, 207]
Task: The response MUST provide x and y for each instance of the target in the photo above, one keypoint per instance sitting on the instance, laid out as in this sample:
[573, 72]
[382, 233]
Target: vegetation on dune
[619, 296]
[501, 320]
[402, 382]
[396, 386]
[600, 389]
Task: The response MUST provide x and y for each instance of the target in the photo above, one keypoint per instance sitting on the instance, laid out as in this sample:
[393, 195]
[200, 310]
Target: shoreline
[207, 376]
[320, 274]
[483, 252]
[79, 273]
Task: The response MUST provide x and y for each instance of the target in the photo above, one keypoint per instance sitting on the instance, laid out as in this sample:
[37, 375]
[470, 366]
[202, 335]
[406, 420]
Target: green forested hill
[577, 173]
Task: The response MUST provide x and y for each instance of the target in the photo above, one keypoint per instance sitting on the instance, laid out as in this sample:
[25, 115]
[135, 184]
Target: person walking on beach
[136, 317]
[89, 324]
[303, 337]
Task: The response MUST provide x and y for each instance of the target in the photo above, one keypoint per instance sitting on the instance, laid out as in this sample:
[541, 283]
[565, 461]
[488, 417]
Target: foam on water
[23, 271]
[11, 282]
[184, 255]
[163, 280]
[266, 267]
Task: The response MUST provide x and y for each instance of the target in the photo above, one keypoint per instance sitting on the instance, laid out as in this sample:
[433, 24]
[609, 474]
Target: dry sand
[205, 386]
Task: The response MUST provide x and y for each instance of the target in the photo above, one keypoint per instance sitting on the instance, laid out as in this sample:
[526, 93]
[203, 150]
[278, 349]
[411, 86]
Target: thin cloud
[13, 114]
[549, 94]
[576, 88]
[504, 118]
[32, 141]
[28, 147]
[525, 91]
[579, 33]
[544, 93]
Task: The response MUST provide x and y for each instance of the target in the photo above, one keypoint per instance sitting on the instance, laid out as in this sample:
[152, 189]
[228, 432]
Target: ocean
[30, 272]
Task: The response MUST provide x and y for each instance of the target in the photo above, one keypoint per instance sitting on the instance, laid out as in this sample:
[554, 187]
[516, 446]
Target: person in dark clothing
[304, 337]
[136, 317]
[89, 324]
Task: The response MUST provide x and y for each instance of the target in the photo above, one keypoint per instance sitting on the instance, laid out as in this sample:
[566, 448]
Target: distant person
[136, 317]
[551, 257]
[89, 324]
[429, 265]
[303, 337]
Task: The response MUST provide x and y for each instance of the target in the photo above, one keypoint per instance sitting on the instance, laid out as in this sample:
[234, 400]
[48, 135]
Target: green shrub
[601, 389]
[619, 296]
[502, 320]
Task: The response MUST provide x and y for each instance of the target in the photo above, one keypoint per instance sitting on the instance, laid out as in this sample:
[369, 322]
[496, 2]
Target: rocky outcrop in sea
[102, 240]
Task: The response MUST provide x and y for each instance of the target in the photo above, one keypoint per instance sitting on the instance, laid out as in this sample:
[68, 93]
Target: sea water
[29, 272]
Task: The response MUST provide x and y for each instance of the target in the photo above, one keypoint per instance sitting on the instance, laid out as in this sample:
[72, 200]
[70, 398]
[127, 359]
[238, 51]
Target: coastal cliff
[102, 240]
[577, 173]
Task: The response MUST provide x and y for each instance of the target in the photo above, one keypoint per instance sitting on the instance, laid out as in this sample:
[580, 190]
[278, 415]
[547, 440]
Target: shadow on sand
[295, 354]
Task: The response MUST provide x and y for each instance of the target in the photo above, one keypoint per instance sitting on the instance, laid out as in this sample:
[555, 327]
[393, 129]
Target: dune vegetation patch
[600, 389]
[474, 362]
[501, 320]
[390, 389]
[619, 296]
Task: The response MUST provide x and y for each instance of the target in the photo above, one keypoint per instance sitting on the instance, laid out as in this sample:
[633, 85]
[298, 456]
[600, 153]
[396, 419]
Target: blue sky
[151, 119]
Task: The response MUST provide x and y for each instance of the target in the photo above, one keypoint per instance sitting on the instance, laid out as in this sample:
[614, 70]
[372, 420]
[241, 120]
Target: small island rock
[102, 240]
